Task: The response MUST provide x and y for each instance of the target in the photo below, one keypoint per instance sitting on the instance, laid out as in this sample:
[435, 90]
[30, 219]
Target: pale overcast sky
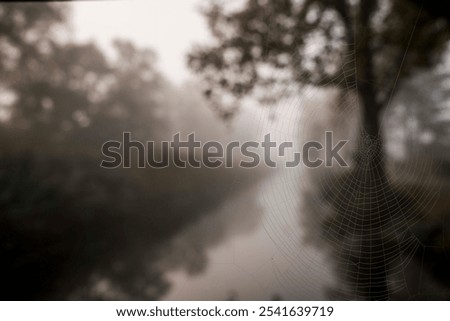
[170, 27]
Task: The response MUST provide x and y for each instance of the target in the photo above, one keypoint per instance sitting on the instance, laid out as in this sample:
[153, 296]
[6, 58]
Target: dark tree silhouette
[362, 47]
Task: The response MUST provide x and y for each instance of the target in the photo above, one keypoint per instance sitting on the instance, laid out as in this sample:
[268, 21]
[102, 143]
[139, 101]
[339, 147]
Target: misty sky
[170, 27]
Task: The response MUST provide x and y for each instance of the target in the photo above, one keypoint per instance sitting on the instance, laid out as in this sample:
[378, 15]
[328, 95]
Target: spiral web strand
[370, 224]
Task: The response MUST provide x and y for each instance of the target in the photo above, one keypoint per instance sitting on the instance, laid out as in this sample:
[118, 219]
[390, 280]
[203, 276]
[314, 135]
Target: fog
[78, 75]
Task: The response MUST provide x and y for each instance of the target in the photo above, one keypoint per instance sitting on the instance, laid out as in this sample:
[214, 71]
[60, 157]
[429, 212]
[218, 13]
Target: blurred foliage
[69, 229]
[264, 46]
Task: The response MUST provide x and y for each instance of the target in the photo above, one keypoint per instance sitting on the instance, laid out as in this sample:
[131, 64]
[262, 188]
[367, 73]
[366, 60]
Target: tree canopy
[363, 45]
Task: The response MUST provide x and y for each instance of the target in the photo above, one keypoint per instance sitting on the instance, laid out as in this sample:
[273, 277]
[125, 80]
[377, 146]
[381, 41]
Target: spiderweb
[362, 235]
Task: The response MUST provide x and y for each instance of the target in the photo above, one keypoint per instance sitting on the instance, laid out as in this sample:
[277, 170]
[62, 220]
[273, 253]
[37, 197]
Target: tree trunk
[370, 172]
[361, 209]
[370, 169]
